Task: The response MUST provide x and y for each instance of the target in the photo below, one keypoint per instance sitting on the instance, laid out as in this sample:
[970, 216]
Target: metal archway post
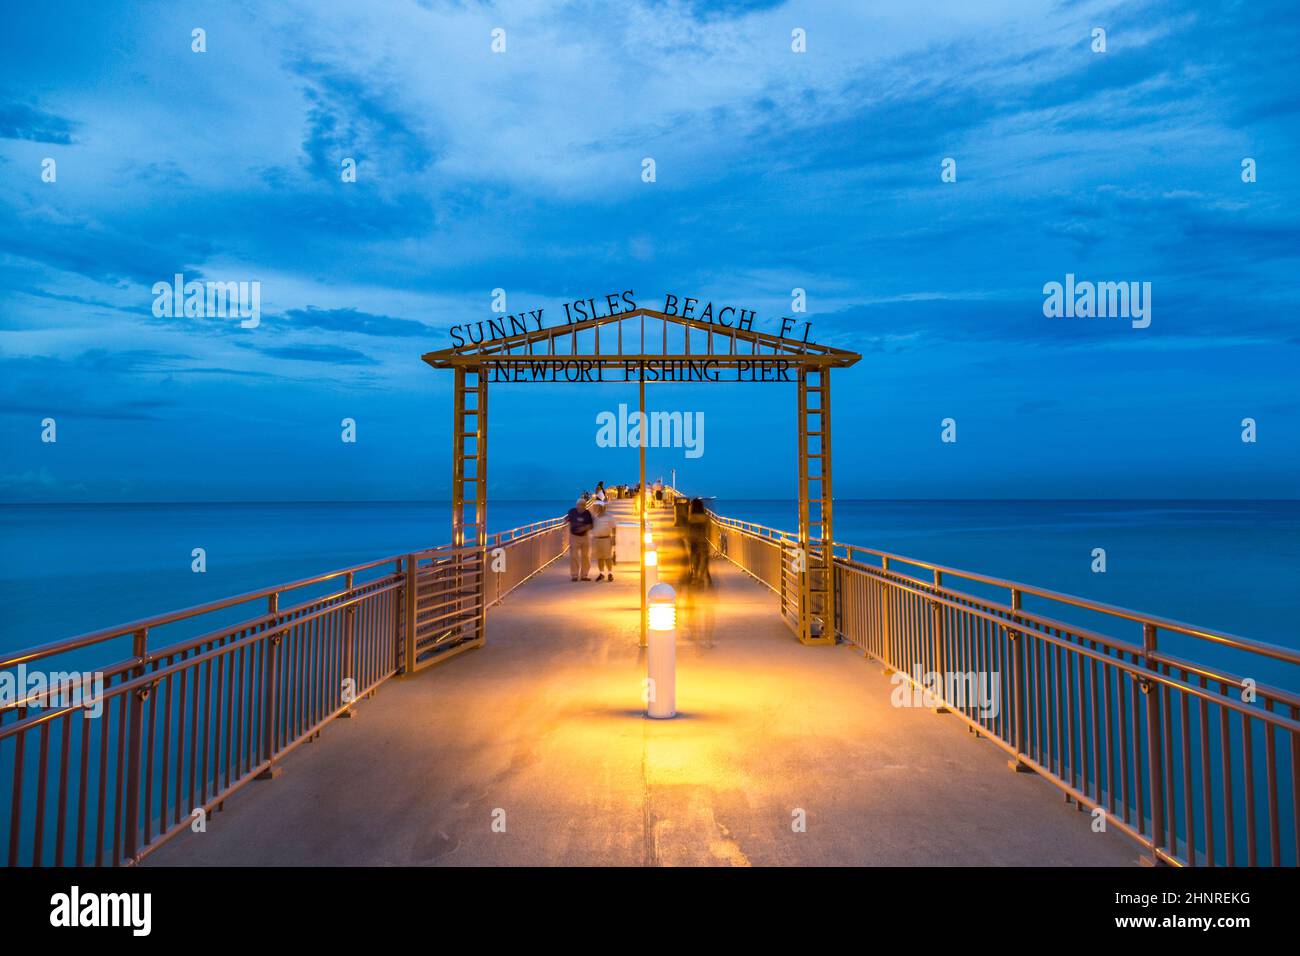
[641, 507]
[815, 621]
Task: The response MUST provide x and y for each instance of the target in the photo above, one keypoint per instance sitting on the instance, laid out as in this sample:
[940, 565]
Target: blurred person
[580, 521]
[696, 613]
[697, 542]
[602, 541]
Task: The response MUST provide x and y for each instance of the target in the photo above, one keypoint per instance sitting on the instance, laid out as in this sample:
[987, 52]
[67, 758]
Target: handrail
[1165, 624]
[171, 617]
[1124, 729]
[1277, 652]
[1001, 614]
[200, 717]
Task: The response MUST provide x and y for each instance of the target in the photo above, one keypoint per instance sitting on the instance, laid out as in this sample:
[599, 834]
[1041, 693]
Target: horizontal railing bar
[1011, 616]
[148, 679]
[928, 589]
[1016, 624]
[264, 621]
[159, 620]
[1276, 694]
[1166, 624]
[267, 620]
[1237, 642]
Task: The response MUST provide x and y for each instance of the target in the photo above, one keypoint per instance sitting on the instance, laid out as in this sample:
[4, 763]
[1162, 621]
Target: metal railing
[185, 721]
[1194, 761]
[766, 554]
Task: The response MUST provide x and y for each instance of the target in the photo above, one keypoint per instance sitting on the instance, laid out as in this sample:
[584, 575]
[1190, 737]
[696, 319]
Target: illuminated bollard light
[651, 569]
[661, 658]
[649, 538]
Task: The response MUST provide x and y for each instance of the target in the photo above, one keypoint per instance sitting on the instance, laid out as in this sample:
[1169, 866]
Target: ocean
[1226, 565]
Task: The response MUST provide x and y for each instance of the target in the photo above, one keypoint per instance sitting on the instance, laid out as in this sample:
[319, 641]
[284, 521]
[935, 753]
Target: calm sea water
[1226, 565]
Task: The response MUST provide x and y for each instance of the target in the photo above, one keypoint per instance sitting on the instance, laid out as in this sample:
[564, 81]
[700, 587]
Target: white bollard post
[661, 657]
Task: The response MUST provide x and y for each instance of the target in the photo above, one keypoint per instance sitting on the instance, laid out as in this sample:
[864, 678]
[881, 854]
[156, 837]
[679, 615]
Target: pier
[470, 704]
[532, 747]
[544, 724]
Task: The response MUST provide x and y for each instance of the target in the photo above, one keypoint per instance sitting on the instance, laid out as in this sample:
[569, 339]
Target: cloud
[22, 121]
[353, 320]
[73, 299]
[349, 116]
[522, 171]
[329, 354]
[81, 245]
[129, 360]
[139, 410]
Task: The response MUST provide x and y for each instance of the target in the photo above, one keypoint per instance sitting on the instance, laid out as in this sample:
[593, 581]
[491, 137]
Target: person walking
[602, 542]
[600, 492]
[697, 540]
[580, 521]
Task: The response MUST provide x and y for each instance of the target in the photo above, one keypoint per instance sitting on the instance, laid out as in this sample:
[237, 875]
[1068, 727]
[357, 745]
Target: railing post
[270, 678]
[886, 599]
[1155, 745]
[1019, 682]
[496, 575]
[780, 570]
[16, 803]
[481, 617]
[139, 648]
[936, 627]
[837, 605]
[411, 574]
[349, 638]
[399, 608]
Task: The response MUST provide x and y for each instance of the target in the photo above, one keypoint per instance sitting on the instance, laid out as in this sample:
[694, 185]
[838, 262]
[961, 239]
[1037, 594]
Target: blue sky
[775, 170]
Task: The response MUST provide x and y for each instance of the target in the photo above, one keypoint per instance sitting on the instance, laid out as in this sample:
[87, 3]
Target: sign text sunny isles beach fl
[559, 368]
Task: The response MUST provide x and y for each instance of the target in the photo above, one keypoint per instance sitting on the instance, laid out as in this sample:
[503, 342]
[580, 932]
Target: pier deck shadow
[543, 728]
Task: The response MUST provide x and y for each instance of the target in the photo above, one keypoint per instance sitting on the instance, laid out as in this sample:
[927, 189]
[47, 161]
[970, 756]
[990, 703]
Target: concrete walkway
[542, 731]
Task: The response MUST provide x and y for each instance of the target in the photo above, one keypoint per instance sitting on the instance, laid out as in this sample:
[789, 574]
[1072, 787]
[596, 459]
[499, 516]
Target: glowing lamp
[649, 538]
[661, 655]
[663, 617]
[663, 607]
